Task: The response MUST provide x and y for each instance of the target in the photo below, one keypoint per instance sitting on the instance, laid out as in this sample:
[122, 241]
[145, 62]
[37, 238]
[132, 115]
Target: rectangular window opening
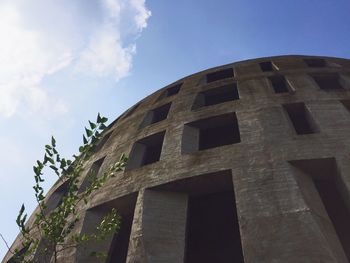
[329, 81]
[212, 233]
[216, 96]
[221, 74]
[115, 246]
[315, 62]
[171, 91]
[301, 118]
[91, 175]
[156, 115]
[210, 132]
[266, 66]
[56, 197]
[279, 84]
[325, 177]
[146, 151]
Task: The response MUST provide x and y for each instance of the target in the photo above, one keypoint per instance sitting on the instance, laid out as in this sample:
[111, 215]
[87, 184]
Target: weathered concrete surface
[277, 223]
[158, 233]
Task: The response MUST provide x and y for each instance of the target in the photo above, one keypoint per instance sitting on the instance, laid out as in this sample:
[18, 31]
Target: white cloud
[25, 61]
[105, 56]
[31, 54]
[107, 53]
[142, 13]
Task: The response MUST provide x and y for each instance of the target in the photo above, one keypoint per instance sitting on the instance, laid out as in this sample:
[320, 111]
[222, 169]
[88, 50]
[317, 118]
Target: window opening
[301, 118]
[279, 84]
[330, 81]
[210, 132]
[315, 62]
[266, 66]
[212, 233]
[330, 188]
[92, 173]
[146, 151]
[221, 74]
[170, 91]
[156, 115]
[216, 96]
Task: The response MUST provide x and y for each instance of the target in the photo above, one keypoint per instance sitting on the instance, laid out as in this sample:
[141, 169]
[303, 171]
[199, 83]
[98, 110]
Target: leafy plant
[52, 231]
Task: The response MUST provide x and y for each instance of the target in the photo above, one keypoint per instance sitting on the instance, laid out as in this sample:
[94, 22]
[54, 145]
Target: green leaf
[104, 119]
[48, 152]
[85, 141]
[48, 147]
[53, 141]
[40, 165]
[88, 132]
[92, 125]
[99, 119]
[20, 214]
[53, 167]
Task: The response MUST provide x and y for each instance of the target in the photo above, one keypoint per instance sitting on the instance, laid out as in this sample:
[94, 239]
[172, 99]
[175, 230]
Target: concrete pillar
[159, 228]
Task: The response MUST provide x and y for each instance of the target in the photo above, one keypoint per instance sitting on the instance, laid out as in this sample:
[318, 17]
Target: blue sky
[63, 61]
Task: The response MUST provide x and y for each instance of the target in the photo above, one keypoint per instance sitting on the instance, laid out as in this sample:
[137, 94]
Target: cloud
[105, 55]
[25, 61]
[31, 53]
[107, 52]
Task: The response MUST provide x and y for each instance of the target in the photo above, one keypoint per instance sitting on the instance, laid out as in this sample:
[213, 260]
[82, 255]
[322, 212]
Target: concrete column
[159, 228]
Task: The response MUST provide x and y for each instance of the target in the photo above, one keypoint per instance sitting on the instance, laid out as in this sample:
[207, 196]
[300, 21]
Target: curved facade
[246, 162]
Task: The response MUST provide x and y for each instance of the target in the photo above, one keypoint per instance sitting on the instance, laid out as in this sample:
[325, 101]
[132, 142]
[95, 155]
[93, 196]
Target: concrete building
[246, 162]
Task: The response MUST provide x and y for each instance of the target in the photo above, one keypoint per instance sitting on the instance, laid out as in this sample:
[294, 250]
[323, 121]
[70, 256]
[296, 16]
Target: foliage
[52, 231]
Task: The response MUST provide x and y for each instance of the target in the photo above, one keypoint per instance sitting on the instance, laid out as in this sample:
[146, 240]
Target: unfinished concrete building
[246, 162]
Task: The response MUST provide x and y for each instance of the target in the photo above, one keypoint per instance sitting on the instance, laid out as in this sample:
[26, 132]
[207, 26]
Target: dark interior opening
[93, 173]
[210, 132]
[346, 104]
[218, 136]
[173, 90]
[170, 91]
[221, 74]
[213, 230]
[301, 118]
[266, 66]
[115, 246]
[216, 96]
[56, 197]
[336, 210]
[329, 81]
[218, 131]
[331, 190]
[279, 84]
[156, 115]
[315, 62]
[146, 151]
[120, 243]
